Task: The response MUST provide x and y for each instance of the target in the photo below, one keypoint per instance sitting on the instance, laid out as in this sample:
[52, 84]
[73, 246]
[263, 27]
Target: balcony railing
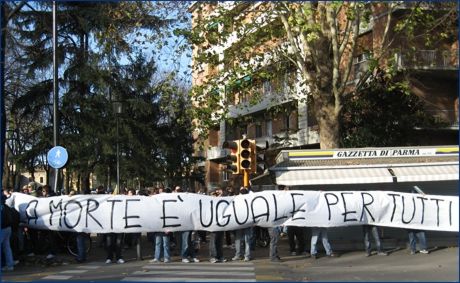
[428, 60]
[448, 117]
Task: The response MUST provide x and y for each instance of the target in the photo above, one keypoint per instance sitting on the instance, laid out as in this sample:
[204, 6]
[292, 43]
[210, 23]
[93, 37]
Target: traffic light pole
[245, 178]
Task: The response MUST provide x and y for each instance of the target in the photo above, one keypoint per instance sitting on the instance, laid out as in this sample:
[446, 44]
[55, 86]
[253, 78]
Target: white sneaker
[153, 260]
[424, 252]
[30, 254]
[195, 259]
[185, 260]
[120, 261]
[108, 261]
[50, 256]
[167, 260]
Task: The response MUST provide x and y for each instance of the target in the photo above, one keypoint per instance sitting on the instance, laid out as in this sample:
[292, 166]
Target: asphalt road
[440, 265]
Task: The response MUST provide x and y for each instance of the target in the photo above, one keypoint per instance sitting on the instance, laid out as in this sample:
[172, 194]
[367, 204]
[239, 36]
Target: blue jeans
[243, 235]
[316, 232]
[274, 233]
[81, 246]
[162, 244]
[187, 249]
[413, 235]
[6, 247]
[370, 229]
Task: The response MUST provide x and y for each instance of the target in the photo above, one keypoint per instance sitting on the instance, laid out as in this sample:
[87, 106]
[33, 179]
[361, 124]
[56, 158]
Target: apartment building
[433, 77]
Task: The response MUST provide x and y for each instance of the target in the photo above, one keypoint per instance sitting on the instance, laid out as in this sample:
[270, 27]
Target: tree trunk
[86, 181]
[79, 182]
[328, 122]
[67, 182]
[2, 87]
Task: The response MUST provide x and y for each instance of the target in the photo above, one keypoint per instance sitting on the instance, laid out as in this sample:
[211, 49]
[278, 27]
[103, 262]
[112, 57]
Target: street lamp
[117, 109]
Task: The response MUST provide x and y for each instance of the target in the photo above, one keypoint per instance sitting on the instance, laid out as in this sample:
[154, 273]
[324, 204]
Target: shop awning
[366, 165]
[329, 176]
[333, 176]
[426, 173]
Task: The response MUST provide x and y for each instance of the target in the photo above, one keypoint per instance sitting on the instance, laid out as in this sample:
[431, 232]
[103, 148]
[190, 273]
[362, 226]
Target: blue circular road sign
[57, 157]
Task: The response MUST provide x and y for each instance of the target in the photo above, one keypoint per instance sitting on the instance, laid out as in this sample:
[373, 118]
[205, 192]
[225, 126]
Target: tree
[382, 114]
[7, 12]
[93, 37]
[319, 39]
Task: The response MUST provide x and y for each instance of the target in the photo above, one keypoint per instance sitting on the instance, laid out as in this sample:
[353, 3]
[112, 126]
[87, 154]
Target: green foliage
[383, 114]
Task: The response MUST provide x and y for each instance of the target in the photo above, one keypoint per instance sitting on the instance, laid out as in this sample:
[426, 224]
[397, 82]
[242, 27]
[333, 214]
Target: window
[268, 128]
[225, 175]
[230, 131]
[259, 132]
[41, 180]
[286, 121]
[361, 58]
[361, 64]
[243, 129]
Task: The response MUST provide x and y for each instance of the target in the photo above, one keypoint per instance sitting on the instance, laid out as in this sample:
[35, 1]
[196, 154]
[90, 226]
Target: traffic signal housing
[246, 155]
[259, 157]
[233, 160]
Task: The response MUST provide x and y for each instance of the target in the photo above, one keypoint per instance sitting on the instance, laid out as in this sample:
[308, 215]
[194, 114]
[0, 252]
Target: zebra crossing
[166, 272]
[196, 272]
[68, 274]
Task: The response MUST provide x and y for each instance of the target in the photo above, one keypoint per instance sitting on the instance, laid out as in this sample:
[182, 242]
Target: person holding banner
[415, 235]
[274, 233]
[113, 247]
[296, 234]
[243, 235]
[161, 242]
[317, 232]
[5, 234]
[216, 239]
[368, 230]
[187, 250]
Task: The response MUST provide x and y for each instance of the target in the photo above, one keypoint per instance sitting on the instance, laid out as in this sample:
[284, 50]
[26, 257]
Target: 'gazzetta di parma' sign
[187, 211]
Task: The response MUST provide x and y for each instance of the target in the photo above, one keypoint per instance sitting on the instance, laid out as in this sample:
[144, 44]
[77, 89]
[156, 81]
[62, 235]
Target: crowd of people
[18, 240]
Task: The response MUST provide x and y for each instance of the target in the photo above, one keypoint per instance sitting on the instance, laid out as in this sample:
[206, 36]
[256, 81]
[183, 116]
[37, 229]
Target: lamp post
[117, 109]
[55, 92]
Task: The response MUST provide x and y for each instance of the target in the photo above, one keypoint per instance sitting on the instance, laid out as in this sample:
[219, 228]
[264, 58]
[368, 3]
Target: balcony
[216, 153]
[428, 60]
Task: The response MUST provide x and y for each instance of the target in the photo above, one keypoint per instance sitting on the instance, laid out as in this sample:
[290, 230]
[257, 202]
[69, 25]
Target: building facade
[282, 116]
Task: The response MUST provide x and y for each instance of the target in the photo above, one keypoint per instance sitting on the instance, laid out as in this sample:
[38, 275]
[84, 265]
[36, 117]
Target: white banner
[187, 211]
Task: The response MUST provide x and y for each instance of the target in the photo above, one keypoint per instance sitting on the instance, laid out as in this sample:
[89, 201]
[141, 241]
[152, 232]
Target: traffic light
[259, 157]
[233, 163]
[246, 154]
[260, 160]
